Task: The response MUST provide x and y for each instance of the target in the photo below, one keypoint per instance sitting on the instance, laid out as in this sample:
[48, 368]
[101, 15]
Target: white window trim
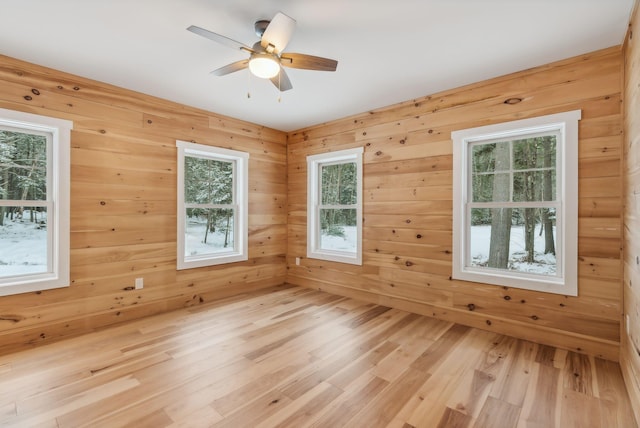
[566, 282]
[57, 202]
[314, 162]
[241, 201]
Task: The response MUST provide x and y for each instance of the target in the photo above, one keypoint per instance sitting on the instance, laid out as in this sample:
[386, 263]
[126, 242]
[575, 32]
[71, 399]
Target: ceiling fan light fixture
[264, 66]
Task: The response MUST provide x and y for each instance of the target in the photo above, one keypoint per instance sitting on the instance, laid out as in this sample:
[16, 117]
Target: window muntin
[335, 206]
[515, 204]
[34, 202]
[212, 205]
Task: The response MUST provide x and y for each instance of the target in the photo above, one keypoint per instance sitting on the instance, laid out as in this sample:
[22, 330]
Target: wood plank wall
[123, 206]
[408, 205]
[630, 350]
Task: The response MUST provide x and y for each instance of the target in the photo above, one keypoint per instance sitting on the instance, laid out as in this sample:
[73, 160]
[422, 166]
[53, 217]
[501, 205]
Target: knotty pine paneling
[123, 206]
[408, 205]
[630, 349]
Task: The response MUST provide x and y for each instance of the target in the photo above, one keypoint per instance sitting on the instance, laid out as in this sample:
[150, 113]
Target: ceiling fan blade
[281, 81]
[219, 38]
[278, 32]
[230, 68]
[308, 62]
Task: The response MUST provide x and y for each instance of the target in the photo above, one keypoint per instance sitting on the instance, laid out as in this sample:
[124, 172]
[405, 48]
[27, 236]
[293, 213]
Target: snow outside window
[34, 202]
[334, 206]
[212, 205]
[515, 204]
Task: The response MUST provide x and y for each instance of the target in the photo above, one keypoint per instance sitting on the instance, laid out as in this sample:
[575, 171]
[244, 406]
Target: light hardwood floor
[295, 357]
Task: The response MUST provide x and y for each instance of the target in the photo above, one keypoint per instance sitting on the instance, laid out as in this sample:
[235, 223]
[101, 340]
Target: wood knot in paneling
[11, 318]
[512, 101]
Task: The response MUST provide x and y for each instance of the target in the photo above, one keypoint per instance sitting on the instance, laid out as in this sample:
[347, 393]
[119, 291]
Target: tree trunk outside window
[500, 217]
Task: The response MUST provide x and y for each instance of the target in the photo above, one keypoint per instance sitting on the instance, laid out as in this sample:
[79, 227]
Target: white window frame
[240, 251]
[58, 133]
[566, 280]
[314, 165]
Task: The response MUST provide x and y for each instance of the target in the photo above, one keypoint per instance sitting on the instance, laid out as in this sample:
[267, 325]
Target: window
[34, 202]
[516, 203]
[334, 206]
[212, 205]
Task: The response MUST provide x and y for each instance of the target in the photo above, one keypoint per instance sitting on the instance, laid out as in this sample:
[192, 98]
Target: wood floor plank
[256, 410]
[304, 409]
[542, 399]
[201, 418]
[578, 409]
[436, 353]
[235, 398]
[293, 357]
[545, 355]
[498, 410]
[357, 368]
[383, 408]
[578, 374]
[454, 382]
[392, 366]
[512, 383]
[614, 403]
[452, 418]
[342, 412]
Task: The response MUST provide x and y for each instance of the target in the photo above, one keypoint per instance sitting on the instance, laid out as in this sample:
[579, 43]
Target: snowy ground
[194, 244]
[23, 247]
[544, 263]
[339, 243]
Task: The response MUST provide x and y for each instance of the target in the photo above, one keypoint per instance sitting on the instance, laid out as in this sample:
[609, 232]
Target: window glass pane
[491, 187]
[483, 156]
[208, 181]
[23, 166]
[338, 229]
[539, 152]
[490, 157]
[339, 184]
[208, 231]
[534, 186]
[23, 240]
[518, 239]
[487, 185]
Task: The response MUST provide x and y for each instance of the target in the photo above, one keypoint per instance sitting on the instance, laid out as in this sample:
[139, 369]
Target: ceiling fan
[266, 57]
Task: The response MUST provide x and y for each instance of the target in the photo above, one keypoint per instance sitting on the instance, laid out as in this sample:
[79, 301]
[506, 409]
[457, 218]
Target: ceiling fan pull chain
[279, 86]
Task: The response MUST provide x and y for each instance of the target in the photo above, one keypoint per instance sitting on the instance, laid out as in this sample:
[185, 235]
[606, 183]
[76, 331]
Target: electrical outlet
[297, 261]
[628, 325]
[139, 283]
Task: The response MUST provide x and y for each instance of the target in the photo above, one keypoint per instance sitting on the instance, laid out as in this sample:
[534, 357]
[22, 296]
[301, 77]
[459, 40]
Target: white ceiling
[388, 51]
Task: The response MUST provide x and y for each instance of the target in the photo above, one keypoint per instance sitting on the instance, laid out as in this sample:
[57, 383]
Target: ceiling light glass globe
[264, 66]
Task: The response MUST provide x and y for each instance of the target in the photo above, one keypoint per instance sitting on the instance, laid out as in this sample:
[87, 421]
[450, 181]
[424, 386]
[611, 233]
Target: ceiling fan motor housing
[260, 26]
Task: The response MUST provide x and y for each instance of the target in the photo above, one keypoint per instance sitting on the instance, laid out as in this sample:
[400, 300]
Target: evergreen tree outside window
[34, 202]
[515, 204]
[212, 205]
[334, 206]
